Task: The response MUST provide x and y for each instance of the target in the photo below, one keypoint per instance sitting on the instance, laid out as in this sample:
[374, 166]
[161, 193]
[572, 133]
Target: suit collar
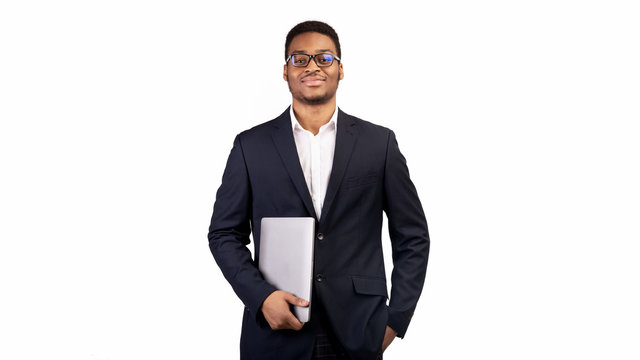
[346, 138]
[282, 136]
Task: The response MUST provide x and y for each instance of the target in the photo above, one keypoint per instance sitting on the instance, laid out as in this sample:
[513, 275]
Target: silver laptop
[286, 257]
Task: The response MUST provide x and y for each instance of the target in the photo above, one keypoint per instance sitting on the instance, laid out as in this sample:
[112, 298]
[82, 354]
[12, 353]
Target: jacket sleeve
[229, 233]
[409, 238]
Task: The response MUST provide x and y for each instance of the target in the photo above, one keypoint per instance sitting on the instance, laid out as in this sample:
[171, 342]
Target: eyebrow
[318, 51]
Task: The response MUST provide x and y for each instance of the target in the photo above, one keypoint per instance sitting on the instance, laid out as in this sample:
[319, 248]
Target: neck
[312, 117]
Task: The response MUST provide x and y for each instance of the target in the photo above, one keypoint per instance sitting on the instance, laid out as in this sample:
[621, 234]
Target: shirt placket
[315, 174]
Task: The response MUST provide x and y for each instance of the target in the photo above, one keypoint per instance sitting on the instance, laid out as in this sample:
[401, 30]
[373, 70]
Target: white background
[518, 120]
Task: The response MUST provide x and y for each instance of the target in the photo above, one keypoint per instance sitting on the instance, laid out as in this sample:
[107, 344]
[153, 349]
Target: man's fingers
[293, 322]
[294, 300]
[286, 321]
[277, 312]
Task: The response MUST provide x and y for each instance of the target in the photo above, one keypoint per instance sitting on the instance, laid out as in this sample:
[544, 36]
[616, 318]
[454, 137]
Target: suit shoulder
[261, 130]
[369, 128]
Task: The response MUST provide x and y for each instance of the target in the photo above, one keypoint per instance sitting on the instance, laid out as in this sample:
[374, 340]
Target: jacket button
[320, 278]
[320, 236]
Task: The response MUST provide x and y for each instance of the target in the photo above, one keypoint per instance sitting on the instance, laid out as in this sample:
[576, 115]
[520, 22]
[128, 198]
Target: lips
[313, 81]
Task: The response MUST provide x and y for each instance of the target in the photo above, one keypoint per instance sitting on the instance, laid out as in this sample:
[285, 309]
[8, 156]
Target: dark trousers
[327, 346]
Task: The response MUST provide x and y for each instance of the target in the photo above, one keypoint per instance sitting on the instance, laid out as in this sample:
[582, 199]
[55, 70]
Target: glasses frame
[314, 59]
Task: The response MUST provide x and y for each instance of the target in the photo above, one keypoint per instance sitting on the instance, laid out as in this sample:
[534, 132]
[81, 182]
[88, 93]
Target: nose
[313, 66]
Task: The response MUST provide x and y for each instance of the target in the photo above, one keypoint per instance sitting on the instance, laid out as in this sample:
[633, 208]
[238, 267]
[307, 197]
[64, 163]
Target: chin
[316, 100]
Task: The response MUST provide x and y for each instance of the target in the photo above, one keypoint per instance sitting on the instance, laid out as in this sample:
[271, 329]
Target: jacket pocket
[368, 179]
[369, 285]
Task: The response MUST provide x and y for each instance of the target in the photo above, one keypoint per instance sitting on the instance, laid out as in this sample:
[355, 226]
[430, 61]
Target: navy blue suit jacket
[263, 178]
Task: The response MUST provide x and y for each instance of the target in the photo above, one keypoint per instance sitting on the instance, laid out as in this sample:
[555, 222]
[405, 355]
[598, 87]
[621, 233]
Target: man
[315, 160]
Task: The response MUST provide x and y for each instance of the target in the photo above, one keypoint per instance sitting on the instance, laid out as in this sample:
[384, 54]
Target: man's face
[313, 85]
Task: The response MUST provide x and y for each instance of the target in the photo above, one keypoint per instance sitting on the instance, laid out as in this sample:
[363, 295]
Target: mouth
[313, 81]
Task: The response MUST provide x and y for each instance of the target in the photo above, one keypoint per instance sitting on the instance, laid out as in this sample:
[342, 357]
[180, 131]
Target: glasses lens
[299, 60]
[324, 59]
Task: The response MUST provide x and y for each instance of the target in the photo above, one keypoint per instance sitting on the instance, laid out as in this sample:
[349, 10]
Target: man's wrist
[389, 328]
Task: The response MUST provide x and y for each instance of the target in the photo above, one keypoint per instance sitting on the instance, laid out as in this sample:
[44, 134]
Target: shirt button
[320, 236]
[320, 278]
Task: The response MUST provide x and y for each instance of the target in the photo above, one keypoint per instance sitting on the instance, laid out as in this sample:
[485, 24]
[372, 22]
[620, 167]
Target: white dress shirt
[316, 156]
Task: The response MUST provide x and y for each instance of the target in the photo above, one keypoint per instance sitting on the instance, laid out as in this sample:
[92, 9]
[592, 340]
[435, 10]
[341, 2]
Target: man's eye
[326, 58]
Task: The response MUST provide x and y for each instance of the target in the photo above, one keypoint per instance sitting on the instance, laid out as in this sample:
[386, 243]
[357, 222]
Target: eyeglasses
[302, 60]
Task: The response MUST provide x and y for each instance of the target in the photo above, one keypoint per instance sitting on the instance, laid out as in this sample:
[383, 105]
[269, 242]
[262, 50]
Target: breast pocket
[357, 181]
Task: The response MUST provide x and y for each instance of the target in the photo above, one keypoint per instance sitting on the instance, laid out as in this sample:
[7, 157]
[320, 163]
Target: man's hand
[389, 335]
[276, 309]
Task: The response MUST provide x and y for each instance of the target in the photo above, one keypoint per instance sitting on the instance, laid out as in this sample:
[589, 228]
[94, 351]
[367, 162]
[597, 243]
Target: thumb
[294, 300]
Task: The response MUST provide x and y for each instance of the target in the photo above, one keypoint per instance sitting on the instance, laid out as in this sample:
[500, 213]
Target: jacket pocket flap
[369, 286]
[367, 179]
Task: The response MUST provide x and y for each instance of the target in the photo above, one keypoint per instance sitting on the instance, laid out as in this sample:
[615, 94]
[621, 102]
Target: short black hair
[312, 26]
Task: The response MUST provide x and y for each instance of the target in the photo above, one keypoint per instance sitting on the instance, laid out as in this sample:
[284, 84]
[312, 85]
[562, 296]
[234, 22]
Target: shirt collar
[295, 124]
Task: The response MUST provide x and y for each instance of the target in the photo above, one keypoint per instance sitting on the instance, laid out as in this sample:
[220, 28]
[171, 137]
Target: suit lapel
[346, 137]
[283, 139]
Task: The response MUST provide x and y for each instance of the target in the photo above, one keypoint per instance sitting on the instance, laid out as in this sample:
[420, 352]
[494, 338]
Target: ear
[284, 73]
[341, 71]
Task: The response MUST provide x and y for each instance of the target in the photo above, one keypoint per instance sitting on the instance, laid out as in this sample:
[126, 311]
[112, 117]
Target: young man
[314, 160]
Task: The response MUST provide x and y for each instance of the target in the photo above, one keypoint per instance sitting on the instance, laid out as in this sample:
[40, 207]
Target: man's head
[313, 68]
[312, 26]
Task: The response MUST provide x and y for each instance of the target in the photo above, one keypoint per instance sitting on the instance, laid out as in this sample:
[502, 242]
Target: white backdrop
[519, 122]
